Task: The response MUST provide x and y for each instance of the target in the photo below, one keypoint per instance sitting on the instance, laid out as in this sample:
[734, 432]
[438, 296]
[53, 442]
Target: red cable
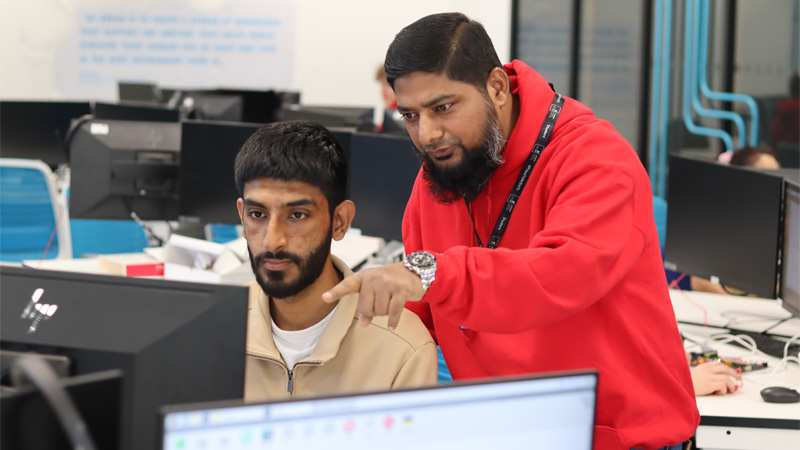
[674, 285]
[52, 235]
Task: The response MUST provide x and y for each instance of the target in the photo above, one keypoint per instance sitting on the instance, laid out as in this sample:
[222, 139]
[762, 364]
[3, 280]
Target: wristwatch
[424, 265]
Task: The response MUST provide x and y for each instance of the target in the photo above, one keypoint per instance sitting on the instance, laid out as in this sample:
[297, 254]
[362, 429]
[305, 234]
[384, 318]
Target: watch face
[421, 259]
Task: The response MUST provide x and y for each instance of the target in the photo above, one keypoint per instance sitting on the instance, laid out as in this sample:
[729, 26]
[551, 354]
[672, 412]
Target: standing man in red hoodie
[531, 237]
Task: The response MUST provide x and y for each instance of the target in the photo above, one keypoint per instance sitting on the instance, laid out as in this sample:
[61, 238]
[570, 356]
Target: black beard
[468, 178]
[310, 269]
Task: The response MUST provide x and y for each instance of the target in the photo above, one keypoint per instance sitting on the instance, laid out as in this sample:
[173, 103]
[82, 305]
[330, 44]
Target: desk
[743, 420]
[354, 250]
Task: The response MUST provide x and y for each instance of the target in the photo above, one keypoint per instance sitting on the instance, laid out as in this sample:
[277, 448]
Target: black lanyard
[522, 178]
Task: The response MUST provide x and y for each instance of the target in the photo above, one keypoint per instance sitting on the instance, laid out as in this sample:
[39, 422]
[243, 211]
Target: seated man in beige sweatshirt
[292, 178]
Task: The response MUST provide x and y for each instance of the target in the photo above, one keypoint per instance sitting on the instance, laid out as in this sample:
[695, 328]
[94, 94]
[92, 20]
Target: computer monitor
[37, 130]
[383, 168]
[119, 167]
[29, 422]
[141, 112]
[549, 411]
[211, 105]
[175, 342]
[208, 190]
[790, 253]
[257, 106]
[723, 224]
[139, 92]
[331, 116]
[207, 187]
[392, 125]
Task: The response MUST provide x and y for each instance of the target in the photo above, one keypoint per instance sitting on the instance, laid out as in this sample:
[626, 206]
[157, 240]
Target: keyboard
[768, 344]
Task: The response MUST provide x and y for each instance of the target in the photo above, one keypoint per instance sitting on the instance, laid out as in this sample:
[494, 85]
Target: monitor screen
[383, 168]
[141, 112]
[207, 187]
[723, 224]
[119, 167]
[790, 254]
[174, 342]
[550, 411]
[37, 130]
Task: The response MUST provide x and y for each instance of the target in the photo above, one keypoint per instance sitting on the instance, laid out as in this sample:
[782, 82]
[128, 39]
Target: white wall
[337, 44]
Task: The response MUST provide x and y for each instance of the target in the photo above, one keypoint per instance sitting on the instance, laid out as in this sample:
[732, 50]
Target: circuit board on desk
[745, 365]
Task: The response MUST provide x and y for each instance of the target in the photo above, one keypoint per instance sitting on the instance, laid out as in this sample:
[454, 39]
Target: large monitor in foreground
[790, 251]
[175, 342]
[37, 130]
[550, 411]
[119, 167]
[724, 223]
[382, 172]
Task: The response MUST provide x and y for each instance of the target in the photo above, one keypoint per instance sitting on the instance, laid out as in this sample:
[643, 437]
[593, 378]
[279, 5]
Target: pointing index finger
[350, 285]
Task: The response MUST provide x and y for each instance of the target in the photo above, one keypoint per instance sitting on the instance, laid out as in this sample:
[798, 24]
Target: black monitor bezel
[793, 303]
[705, 244]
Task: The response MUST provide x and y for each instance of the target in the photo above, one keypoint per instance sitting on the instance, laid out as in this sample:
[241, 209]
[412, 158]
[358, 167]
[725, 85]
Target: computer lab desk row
[742, 420]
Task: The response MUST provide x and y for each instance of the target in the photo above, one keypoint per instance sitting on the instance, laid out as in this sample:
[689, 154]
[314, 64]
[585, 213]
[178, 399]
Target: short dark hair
[448, 43]
[747, 156]
[295, 151]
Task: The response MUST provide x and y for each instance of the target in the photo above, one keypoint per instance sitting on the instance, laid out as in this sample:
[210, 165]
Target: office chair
[32, 219]
[91, 237]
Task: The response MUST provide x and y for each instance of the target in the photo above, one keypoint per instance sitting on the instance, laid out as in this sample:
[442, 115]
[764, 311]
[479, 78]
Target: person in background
[714, 377]
[292, 178]
[387, 94]
[572, 280]
[785, 126]
[760, 158]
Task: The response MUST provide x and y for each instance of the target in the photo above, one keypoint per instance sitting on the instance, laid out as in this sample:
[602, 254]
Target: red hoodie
[576, 281]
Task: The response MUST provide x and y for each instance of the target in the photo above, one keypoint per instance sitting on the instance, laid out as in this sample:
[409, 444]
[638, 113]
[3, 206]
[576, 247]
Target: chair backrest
[29, 212]
[101, 237]
[92, 237]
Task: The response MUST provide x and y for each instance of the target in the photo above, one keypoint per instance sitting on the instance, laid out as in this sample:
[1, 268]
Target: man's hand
[715, 378]
[382, 291]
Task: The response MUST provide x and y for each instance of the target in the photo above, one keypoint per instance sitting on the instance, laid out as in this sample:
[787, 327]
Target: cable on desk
[742, 339]
[691, 300]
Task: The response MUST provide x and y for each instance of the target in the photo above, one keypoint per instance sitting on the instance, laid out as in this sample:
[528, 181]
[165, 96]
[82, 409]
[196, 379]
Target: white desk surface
[742, 420]
[727, 311]
[82, 265]
[352, 249]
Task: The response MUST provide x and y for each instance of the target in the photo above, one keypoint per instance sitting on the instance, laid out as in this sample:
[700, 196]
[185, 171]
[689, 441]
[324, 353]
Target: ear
[342, 218]
[240, 207]
[499, 88]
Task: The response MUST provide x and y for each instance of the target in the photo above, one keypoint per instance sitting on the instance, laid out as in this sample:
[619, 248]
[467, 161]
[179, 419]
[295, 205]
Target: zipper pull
[465, 332]
[291, 384]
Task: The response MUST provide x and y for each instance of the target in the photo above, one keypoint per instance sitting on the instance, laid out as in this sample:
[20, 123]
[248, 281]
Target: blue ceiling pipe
[723, 96]
[690, 80]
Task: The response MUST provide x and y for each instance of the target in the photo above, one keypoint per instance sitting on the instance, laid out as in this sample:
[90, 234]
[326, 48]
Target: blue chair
[30, 227]
[222, 234]
[444, 372]
[660, 217]
[105, 237]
